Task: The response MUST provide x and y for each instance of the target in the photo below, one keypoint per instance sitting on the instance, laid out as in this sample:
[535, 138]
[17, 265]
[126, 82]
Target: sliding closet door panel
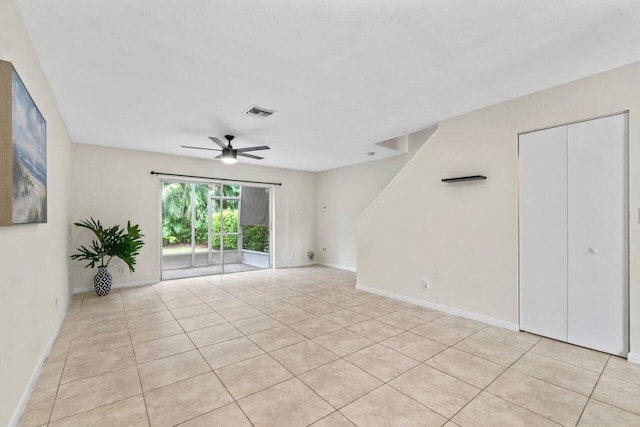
[543, 232]
[598, 316]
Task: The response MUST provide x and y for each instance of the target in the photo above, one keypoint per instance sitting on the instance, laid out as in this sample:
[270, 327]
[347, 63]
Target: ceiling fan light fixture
[229, 156]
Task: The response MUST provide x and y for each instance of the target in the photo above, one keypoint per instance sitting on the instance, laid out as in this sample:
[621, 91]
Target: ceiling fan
[230, 154]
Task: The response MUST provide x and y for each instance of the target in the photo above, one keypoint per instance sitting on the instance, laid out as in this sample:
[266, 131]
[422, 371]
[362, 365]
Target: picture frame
[23, 153]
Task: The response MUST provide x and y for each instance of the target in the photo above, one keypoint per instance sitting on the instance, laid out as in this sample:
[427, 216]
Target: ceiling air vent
[260, 112]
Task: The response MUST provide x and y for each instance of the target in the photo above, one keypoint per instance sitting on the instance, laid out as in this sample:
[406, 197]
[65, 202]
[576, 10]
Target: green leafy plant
[113, 242]
[255, 238]
[177, 216]
[230, 223]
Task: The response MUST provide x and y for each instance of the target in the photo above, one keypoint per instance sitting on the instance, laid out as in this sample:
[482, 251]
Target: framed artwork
[23, 153]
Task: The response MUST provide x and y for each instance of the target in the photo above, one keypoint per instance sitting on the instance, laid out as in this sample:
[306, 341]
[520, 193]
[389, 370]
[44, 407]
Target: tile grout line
[212, 371]
[539, 379]
[328, 286]
[210, 367]
[592, 390]
[555, 360]
[306, 337]
[383, 383]
[524, 373]
[55, 398]
[135, 358]
[284, 367]
[484, 389]
[445, 373]
[402, 330]
[542, 338]
[596, 385]
[614, 406]
[93, 376]
[320, 366]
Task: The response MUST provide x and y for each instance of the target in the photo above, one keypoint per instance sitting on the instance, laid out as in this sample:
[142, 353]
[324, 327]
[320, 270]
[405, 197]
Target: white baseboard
[17, 413]
[300, 264]
[455, 311]
[634, 358]
[36, 371]
[339, 267]
[115, 286]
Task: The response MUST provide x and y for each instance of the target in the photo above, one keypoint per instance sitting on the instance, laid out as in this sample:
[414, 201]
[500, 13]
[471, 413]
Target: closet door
[543, 232]
[597, 174]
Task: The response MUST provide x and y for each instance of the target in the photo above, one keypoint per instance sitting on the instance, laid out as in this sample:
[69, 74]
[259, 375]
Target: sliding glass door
[207, 230]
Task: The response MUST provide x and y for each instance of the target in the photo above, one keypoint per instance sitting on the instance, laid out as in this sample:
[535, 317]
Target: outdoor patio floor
[209, 270]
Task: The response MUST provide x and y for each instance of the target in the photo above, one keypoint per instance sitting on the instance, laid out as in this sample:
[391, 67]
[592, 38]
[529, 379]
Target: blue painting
[29, 166]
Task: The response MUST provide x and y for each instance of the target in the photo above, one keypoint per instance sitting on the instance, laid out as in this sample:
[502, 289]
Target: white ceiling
[156, 74]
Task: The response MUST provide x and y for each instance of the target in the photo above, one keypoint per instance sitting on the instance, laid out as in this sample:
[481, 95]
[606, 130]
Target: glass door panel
[176, 225]
[215, 252]
[230, 213]
[254, 235]
[201, 201]
[231, 190]
[230, 204]
[255, 238]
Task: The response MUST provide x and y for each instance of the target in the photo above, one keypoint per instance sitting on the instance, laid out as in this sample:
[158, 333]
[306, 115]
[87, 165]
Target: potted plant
[113, 242]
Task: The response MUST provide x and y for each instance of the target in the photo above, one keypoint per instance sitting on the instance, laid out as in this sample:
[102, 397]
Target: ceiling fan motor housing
[229, 155]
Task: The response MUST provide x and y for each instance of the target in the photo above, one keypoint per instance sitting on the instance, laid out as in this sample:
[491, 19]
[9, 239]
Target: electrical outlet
[121, 270]
[425, 285]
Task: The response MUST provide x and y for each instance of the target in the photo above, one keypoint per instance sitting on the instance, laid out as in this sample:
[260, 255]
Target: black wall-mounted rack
[465, 178]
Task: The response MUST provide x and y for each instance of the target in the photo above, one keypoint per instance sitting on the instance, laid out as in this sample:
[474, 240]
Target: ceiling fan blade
[250, 156]
[217, 141]
[219, 156]
[200, 148]
[244, 150]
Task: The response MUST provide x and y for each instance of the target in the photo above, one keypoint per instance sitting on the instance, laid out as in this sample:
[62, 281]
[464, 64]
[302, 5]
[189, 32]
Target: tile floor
[297, 347]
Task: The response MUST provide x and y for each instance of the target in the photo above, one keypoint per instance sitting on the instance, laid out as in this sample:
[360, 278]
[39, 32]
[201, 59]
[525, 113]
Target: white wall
[344, 194]
[301, 217]
[115, 185]
[464, 237]
[33, 258]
